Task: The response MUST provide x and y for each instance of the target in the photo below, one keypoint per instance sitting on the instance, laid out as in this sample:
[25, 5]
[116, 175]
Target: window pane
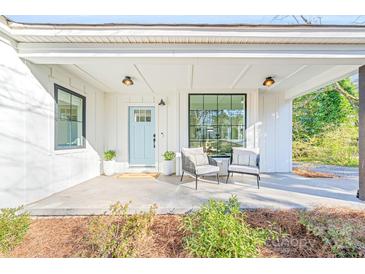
[238, 134]
[136, 115]
[224, 117]
[142, 115]
[217, 122]
[237, 117]
[64, 101]
[196, 133]
[76, 108]
[196, 117]
[224, 148]
[69, 121]
[196, 102]
[210, 102]
[76, 134]
[210, 117]
[238, 101]
[63, 134]
[224, 102]
[211, 147]
[224, 132]
[148, 115]
[211, 132]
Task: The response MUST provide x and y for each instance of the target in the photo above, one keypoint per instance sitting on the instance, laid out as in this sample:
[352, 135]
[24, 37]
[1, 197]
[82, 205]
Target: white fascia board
[253, 32]
[352, 54]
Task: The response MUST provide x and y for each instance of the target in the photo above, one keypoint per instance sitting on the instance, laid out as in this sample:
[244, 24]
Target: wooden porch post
[362, 133]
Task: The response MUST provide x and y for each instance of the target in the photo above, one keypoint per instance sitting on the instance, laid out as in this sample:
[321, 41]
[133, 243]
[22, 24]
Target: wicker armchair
[195, 162]
[245, 161]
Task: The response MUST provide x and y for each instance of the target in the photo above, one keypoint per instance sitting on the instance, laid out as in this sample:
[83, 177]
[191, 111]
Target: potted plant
[109, 162]
[168, 163]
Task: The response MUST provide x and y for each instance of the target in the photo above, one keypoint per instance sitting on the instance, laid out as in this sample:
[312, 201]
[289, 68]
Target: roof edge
[14, 24]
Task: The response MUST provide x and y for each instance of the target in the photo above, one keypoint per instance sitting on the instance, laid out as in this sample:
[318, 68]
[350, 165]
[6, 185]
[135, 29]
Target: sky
[135, 19]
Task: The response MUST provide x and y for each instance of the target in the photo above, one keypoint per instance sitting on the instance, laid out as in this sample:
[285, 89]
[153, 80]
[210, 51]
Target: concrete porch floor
[277, 191]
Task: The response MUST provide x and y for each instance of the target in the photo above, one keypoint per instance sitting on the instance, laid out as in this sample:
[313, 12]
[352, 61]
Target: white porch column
[275, 132]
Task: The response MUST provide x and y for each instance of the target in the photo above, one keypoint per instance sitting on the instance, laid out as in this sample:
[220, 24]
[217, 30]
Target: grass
[13, 227]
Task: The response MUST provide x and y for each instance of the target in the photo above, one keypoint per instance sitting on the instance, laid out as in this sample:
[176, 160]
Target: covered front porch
[278, 191]
[178, 72]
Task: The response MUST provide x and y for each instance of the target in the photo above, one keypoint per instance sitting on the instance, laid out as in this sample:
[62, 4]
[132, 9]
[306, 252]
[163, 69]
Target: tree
[325, 109]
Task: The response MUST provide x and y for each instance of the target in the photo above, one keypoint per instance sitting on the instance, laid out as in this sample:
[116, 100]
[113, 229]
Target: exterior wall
[171, 122]
[116, 124]
[30, 168]
[275, 132]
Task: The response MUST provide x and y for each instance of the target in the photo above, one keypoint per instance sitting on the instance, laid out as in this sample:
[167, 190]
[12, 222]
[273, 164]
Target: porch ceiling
[208, 75]
[162, 59]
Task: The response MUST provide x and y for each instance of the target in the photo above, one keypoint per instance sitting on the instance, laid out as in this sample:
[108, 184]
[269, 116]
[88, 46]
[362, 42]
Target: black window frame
[219, 94]
[56, 119]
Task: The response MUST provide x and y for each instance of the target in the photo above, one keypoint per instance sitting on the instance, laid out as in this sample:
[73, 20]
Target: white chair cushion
[244, 156]
[200, 159]
[200, 170]
[243, 169]
[196, 155]
[192, 150]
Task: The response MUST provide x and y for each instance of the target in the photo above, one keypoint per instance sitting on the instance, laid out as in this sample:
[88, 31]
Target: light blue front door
[142, 138]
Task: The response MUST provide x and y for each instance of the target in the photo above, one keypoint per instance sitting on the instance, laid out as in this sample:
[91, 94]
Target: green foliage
[13, 227]
[342, 237]
[119, 235]
[219, 230]
[338, 146]
[325, 126]
[169, 155]
[109, 155]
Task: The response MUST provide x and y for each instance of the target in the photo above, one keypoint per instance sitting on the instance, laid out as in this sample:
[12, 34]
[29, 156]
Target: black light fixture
[162, 103]
[127, 81]
[269, 81]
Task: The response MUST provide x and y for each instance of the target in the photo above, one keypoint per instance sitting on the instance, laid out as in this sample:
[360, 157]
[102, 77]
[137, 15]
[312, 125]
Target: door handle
[154, 140]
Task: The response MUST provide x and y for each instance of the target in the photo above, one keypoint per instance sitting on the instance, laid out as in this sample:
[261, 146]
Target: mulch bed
[304, 172]
[63, 237]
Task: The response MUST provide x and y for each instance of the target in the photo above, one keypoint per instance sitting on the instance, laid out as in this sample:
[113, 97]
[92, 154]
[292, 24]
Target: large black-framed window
[217, 122]
[70, 120]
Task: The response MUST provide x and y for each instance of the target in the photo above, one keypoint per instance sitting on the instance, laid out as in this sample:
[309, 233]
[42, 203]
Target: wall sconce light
[127, 81]
[162, 103]
[269, 81]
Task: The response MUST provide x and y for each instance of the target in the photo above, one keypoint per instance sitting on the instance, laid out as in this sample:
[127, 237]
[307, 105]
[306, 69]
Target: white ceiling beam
[240, 76]
[141, 75]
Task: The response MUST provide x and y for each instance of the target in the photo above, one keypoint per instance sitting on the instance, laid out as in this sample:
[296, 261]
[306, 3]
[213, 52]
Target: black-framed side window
[217, 122]
[70, 120]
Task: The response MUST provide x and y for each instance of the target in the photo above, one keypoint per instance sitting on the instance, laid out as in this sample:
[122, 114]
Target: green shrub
[119, 235]
[345, 238]
[169, 155]
[219, 230]
[109, 155]
[338, 146]
[13, 227]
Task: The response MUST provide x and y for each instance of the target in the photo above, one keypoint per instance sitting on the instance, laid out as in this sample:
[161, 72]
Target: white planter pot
[108, 167]
[168, 167]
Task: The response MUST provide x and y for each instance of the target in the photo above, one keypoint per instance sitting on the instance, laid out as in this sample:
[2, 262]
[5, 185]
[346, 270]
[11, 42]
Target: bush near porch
[321, 232]
[325, 125]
